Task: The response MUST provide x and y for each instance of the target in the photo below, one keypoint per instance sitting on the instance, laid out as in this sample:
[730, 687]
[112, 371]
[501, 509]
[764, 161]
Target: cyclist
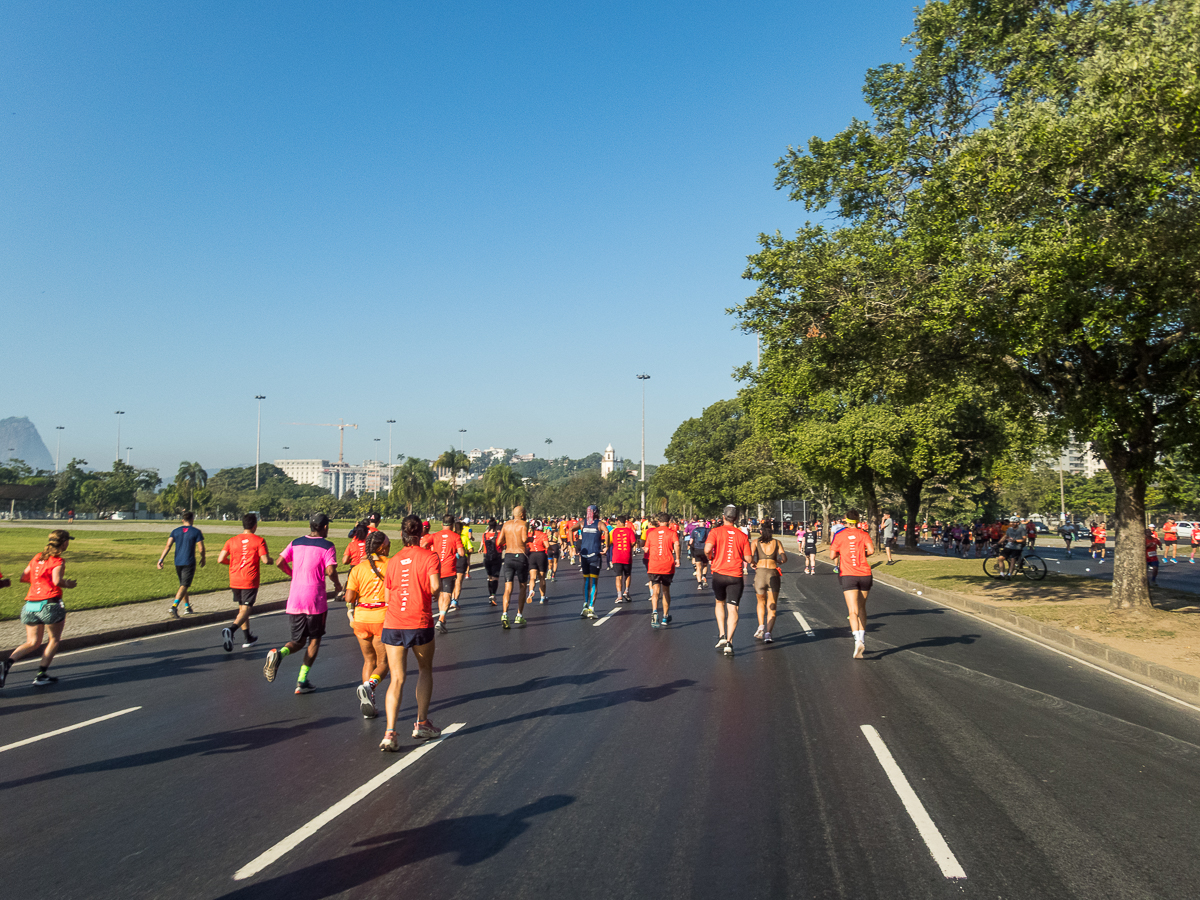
[1014, 546]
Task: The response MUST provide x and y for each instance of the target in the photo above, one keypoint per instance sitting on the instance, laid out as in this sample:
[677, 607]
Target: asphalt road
[608, 761]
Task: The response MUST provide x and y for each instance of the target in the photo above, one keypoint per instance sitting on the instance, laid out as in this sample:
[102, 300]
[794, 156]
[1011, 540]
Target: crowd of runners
[399, 596]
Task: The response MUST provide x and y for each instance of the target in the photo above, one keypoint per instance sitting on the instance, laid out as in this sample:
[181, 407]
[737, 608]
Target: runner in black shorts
[492, 558]
[515, 567]
[729, 550]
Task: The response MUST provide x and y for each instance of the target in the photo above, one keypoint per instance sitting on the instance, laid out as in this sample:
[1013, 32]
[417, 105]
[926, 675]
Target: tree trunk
[1130, 589]
[872, 498]
[912, 512]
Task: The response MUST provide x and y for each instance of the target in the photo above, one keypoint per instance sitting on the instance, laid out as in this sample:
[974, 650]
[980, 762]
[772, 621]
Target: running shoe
[666, 620]
[504, 620]
[551, 576]
[250, 640]
[758, 634]
[591, 612]
[704, 583]
[366, 701]
[389, 744]
[174, 613]
[767, 639]
[584, 613]
[44, 680]
[654, 619]
[723, 642]
[441, 625]
[543, 600]
[271, 666]
[227, 639]
[453, 606]
[187, 608]
[728, 651]
[305, 687]
[4, 667]
[519, 620]
[492, 600]
[859, 649]
[426, 729]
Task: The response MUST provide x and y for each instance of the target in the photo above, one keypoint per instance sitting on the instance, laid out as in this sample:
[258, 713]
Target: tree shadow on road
[473, 839]
[944, 641]
[593, 703]
[498, 660]
[533, 684]
[239, 740]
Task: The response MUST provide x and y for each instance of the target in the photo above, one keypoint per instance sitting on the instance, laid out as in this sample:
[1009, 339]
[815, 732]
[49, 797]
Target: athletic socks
[373, 682]
[303, 674]
[284, 651]
[860, 637]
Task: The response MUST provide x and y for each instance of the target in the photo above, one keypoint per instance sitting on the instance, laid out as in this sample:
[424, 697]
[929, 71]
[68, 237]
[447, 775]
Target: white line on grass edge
[58, 731]
[937, 845]
[301, 834]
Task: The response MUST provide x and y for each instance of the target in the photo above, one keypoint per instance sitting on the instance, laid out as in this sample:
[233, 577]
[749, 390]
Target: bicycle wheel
[990, 568]
[1035, 568]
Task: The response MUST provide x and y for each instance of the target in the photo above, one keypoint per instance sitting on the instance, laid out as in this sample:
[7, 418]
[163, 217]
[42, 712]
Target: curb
[1177, 684]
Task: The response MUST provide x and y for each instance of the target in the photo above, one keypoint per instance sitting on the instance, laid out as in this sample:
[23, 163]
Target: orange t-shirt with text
[851, 545]
[662, 544]
[730, 548]
[41, 581]
[446, 544]
[406, 585]
[246, 553]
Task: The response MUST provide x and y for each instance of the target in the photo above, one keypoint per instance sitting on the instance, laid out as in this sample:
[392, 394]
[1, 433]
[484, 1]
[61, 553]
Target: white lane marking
[301, 834]
[58, 731]
[1074, 659]
[608, 615]
[937, 845]
[803, 623]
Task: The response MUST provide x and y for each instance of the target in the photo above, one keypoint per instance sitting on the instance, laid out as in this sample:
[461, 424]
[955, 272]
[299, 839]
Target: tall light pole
[119, 413]
[58, 446]
[128, 454]
[643, 378]
[258, 437]
[375, 462]
[461, 440]
[390, 423]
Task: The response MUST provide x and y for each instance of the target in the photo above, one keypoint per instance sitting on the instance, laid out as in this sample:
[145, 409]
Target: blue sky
[487, 216]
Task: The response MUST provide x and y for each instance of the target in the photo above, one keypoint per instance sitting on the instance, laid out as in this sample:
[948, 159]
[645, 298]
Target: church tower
[608, 463]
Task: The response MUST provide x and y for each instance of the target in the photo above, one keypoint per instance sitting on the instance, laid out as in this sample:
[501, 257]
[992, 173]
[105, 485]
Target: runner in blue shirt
[593, 537]
[186, 538]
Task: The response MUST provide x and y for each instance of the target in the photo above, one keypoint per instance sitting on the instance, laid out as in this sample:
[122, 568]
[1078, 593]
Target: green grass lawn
[114, 567]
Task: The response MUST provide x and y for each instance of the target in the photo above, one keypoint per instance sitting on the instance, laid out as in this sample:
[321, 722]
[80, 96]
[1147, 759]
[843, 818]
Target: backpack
[489, 546]
[699, 533]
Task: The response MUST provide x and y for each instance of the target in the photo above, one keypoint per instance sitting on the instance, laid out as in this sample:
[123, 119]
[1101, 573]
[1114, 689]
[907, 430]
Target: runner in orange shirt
[539, 560]
[1170, 540]
[366, 605]
[412, 578]
[662, 549]
[849, 551]
[728, 550]
[622, 541]
[243, 553]
[357, 548]
[448, 546]
[43, 607]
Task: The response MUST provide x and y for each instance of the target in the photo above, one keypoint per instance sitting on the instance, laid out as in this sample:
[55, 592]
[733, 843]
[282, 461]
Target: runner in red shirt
[662, 551]
[413, 576]
[728, 550]
[243, 553]
[1152, 545]
[623, 539]
[43, 607]
[849, 550]
[1195, 543]
[539, 560]
[356, 550]
[448, 546]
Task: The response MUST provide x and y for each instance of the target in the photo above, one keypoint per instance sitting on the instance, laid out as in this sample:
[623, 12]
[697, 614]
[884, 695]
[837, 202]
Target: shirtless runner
[515, 566]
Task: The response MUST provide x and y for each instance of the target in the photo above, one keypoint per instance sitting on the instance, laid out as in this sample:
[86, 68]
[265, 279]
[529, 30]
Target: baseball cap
[317, 522]
[730, 511]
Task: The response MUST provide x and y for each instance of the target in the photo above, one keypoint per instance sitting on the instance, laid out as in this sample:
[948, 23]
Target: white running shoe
[728, 651]
[758, 635]
[859, 649]
[723, 642]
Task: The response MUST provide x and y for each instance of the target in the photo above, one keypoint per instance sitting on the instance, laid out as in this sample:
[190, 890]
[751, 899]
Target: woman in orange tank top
[43, 607]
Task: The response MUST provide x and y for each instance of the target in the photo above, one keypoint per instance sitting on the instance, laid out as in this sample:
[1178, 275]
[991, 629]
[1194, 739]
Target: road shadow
[908, 612]
[8, 708]
[498, 660]
[239, 740]
[471, 839]
[592, 703]
[945, 641]
[533, 684]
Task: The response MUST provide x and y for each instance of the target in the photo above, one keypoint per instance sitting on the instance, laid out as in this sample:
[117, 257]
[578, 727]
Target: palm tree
[456, 461]
[504, 487]
[191, 475]
[412, 482]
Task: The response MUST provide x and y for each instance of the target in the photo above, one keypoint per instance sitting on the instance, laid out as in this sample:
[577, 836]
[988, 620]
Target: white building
[372, 476]
[609, 462]
[1078, 459]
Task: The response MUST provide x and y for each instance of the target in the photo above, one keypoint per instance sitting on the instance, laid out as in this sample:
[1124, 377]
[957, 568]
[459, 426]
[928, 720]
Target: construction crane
[341, 426]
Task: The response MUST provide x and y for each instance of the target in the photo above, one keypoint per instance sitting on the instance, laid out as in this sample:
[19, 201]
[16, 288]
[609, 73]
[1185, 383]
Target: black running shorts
[515, 568]
[622, 570]
[591, 565]
[407, 637]
[554, 552]
[448, 584]
[245, 596]
[698, 555]
[856, 582]
[305, 627]
[657, 578]
[538, 562]
[491, 565]
[460, 564]
[185, 574]
[728, 588]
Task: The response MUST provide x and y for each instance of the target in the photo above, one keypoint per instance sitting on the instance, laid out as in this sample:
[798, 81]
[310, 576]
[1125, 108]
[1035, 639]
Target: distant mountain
[26, 443]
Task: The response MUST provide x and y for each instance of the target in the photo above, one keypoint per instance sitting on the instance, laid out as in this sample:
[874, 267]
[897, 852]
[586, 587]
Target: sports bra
[773, 556]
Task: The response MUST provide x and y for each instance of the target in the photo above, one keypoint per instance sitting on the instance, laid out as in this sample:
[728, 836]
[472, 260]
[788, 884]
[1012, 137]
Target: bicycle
[1030, 565]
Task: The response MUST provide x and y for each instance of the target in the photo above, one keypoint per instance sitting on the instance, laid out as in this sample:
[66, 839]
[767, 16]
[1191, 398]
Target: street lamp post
[128, 454]
[119, 413]
[258, 437]
[643, 378]
[461, 440]
[58, 446]
[375, 464]
[390, 423]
